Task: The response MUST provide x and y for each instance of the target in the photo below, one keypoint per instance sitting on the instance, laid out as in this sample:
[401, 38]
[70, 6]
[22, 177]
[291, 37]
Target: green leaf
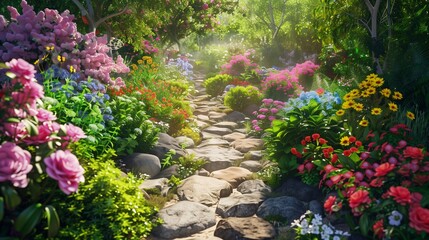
[53, 220]
[364, 224]
[13, 120]
[31, 127]
[346, 161]
[11, 197]
[28, 219]
[70, 113]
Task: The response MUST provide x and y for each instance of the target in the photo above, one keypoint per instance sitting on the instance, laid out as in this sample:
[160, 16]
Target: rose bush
[28, 135]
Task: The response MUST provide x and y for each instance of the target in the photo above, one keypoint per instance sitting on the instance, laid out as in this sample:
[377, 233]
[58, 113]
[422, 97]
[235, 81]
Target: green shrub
[216, 85]
[238, 98]
[194, 134]
[109, 205]
[136, 133]
[188, 165]
[293, 126]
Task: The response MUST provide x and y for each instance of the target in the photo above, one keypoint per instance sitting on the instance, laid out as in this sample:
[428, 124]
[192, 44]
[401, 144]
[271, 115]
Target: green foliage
[135, 132]
[71, 106]
[108, 205]
[193, 133]
[216, 85]
[188, 165]
[271, 175]
[294, 125]
[238, 98]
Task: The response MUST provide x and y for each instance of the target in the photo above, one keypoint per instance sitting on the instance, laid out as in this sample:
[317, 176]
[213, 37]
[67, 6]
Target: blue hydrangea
[328, 100]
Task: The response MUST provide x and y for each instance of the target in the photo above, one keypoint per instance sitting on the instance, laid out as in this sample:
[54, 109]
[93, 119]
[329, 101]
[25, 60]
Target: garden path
[222, 201]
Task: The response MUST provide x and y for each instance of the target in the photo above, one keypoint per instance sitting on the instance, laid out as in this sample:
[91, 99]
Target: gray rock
[239, 205]
[285, 209]
[143, 163]
[214, 142]
[253, 166]
[207, 135]
[316, 207]
[233, 175]
[251, 228]
[201, 124]
[230, 125]
[168, 172]
[217, 116]
[160, 184]
[254, 155]
[186, 142]
[183, 219]
[248, 144]
[296, 188]
[205, 190]
[217, 157]
[165, 143]
[254, 186]
[218, 130]
[234, 136]
[234, 117]
[203, 172]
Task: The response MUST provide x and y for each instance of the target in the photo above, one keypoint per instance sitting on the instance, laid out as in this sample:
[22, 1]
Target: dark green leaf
[364, 224]
[53, 220]
[28, 219]
[11, 197]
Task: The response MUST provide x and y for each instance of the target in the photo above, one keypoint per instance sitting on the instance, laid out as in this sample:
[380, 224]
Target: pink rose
[64, 167]
[22, 69]
[16, 131]
[73, 133]
[44, 115]
[413, 152]
[44, 135]
[14, 164]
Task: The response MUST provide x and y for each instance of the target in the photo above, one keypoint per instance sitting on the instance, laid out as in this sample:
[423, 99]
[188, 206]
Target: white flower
[395, 218]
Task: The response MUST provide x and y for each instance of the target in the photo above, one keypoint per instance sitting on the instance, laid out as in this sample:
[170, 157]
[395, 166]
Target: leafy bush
[238, 98]
[215, 86]
[193, 133]
[298, 123]
[188, 165]
[108, 206]
[239, 64]
[134, 131]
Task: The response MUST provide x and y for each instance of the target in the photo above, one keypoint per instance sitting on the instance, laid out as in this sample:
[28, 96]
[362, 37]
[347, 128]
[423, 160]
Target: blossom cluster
[35, 37]
[327, 100]
[311, 225]
[183, 65]
[266, 114]
[24, 124]
[238, 65]
[281, 85]
[306, 68]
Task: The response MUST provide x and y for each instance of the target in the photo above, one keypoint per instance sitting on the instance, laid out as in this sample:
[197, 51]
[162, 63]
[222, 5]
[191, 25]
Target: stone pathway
[222, 201]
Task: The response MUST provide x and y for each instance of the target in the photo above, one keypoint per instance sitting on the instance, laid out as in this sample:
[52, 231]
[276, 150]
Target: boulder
[160, 184]
[233, 175]
[143, 163]
[253, 166]
[296, 188]
[285, 209]
[254, 186]
[205, 190]
[165, 143]
[253, 155]
[248, 144]
[217, 157]
[184, 219]
[185, 142]
[218, 130]
[251, 228]
[239, 205]
[168, 172]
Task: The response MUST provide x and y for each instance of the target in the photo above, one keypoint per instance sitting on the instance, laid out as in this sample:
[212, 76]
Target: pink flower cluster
[306, 68]
[24, 123]
[282, 82]
[28, 35]
[266, 114]
[149, 48]
[238, 65]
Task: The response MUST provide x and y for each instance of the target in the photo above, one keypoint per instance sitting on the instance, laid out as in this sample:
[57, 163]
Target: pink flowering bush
[239, 64]
[266, 114]
[281, 85]
[305, 71]
[32, 143]
[37, 37]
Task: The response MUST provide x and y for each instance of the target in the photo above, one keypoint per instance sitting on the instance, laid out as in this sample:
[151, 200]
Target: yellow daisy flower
[386, 92]
[365, 94]
[340, 112]
[411, 115]
[140, 61]
[358, 107]
[364, 123]
[397, 95]
[371, 76]
[368, 84]
[362, 84]
[149, 61]
[354, 93]
[376, 111]
[134, 66]
[345, 141]
[371, 90]
[377, 82]
[393, 106]
[348, 97]
[348, 104]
